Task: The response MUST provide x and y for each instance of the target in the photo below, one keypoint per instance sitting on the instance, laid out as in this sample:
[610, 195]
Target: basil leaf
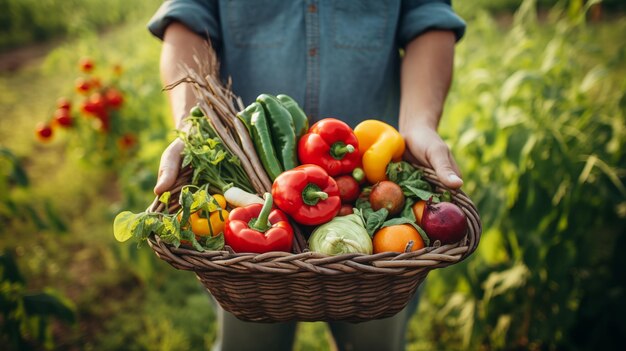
[374, 220]
[422, 194]
[407, 210]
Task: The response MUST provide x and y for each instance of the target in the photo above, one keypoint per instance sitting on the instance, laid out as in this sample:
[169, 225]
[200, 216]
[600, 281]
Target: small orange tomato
[200, 225]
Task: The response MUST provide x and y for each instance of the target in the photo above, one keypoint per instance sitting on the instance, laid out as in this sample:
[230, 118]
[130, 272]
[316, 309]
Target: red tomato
[64, 103]
[346, 209]
[127, 141]
[95, 83]
[114, 98]
[43, 132]
[101, 122]
[86, 64]
[62, 117]
[96, 105]
[348, 188]
[82, 86]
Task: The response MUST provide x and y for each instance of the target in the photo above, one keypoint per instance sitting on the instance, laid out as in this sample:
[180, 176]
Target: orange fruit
[418, 211]
[395, 238]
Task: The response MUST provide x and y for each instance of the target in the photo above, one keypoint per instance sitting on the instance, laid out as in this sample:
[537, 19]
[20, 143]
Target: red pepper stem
[262, 223]
[339, 149]
[312, 194]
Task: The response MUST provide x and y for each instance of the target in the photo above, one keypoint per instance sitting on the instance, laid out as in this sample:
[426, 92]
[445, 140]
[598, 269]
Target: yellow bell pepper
[379, 144]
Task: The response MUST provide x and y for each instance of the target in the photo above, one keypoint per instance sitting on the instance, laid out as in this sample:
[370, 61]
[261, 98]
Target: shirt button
[312, 52]
[312, 8]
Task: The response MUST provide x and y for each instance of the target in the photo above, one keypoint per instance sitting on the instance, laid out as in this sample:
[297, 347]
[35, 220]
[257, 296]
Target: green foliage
[26, 21]
[26, 315]
[536, 120]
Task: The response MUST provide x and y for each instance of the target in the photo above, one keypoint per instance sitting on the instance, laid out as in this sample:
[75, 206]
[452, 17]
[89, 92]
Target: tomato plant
[95, 117]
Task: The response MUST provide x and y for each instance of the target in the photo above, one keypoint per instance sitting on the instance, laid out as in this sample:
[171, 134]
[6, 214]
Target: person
[390, 60]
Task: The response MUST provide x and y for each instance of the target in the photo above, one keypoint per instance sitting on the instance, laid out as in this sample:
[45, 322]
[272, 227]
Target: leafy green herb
[410, 180]
[373, 220]
[171, 228]
[211, 161]
[421, 194]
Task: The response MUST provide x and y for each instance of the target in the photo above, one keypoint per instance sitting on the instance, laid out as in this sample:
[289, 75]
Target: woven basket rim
[290, 263]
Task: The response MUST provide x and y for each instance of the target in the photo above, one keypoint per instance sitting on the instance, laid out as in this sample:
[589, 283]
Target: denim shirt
[336, 58]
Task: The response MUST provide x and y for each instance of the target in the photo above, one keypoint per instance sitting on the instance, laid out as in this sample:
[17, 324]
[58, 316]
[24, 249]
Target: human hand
[169, 166]
[427, 148]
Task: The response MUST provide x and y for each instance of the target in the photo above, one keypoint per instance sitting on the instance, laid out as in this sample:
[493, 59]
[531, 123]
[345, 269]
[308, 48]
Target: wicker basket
[307, 286]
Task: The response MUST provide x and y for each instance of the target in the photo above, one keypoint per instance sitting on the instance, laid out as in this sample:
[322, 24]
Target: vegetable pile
[261, 175]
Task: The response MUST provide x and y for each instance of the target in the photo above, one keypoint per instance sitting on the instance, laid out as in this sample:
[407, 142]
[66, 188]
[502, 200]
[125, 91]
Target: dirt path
[14, 59]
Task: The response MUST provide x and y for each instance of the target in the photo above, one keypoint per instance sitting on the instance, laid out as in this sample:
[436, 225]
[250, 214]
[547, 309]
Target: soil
[14, 59]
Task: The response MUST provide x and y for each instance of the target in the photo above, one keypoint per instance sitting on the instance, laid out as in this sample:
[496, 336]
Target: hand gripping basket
[308, 286]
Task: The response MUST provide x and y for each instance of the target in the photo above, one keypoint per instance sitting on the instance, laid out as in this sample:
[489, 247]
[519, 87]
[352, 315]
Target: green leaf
[46, 304]
[213, 243]
[204, 201]
[446, 196]
[398, 172]
[170, 232]
[375, 220]
[499, 282]
[9, 271]
[407, 210]
[422, 194]
[165, 197]
[187, 160]
[124, 224]
[53, 217]
[191, 237]
[186, 200]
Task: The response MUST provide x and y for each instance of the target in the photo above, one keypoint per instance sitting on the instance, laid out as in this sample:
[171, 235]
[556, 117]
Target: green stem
[262, 223]
[339, 149]
[358, 174]
[312, 194]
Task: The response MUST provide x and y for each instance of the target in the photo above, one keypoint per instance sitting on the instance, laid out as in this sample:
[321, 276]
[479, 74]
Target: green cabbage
[341, 235]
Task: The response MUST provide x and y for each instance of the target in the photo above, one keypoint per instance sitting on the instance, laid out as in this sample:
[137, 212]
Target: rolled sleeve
[200, 17]
[418, 17]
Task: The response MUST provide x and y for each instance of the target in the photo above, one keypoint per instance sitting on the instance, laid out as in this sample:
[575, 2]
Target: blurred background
[536, 119]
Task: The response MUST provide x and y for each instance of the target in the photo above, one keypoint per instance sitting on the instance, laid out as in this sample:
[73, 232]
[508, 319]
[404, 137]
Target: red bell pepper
[308, 194]
[258, 228]
[330, 144]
